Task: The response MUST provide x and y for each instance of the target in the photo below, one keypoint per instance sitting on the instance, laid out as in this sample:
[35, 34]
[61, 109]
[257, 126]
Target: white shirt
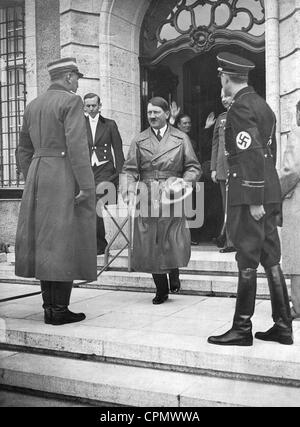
[93, 124]
[162, 131]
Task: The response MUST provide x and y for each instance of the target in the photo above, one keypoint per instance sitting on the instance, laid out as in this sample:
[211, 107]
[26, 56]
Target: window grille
[12, 91]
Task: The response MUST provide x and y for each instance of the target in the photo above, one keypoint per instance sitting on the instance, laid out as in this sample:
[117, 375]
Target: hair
[239, 78]
[180, 117]
[298, 106]
[158, 101]
[92, 95]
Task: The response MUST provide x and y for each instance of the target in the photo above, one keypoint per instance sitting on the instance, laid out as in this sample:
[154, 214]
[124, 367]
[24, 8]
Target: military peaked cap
[233, 64]
[63, 65]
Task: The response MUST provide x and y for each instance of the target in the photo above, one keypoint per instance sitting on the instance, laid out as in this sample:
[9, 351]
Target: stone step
[201, 261]
[191, 284]
[136, 386]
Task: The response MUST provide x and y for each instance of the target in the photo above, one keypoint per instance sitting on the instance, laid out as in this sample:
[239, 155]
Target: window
[12, 90]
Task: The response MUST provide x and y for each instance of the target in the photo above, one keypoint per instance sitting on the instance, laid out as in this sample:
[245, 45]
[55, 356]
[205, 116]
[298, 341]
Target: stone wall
[9, 211]
[47, 40]
[79, 37]
[289, 25]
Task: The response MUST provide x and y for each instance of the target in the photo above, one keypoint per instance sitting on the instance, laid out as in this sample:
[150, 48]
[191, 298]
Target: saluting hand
[257, 211]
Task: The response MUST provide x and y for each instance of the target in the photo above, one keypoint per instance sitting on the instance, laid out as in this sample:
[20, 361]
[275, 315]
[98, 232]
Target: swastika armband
[243, 140]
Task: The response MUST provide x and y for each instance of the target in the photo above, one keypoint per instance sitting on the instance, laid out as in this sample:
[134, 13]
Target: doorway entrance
[179, 45]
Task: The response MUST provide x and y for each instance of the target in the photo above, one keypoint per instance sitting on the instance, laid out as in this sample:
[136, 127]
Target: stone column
[119, 36]
[273, 65]
[30, 51]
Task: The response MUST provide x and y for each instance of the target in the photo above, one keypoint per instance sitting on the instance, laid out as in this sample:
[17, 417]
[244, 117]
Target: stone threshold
[134, 386]
[189, 354]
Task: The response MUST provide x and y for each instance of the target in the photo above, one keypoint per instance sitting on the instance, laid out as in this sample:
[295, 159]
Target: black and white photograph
[149, 207]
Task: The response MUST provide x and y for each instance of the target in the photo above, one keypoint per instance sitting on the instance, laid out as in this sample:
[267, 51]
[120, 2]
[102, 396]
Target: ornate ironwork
[191, 27]
[233, 10]
[202, 38]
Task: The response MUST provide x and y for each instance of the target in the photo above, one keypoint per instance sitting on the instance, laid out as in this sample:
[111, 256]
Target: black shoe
[277, 334]
[194, 242]
[227, 249]
[232, 337]
[48, 316]
[159, 299]
[66, 316]
[175, 286]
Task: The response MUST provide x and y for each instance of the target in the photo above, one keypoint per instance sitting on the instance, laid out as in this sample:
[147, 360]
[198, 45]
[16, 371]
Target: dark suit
[108, 147]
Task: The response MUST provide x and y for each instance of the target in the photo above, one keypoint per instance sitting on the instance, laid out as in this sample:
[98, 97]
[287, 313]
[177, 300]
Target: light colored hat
[176, 192]
[63, 65]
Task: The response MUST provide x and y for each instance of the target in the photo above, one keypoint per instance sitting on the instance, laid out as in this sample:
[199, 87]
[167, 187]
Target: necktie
[158, 136]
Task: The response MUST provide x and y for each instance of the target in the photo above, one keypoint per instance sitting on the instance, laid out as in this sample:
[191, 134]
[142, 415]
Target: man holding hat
[162, 161]
[56, 234]
[254, 204]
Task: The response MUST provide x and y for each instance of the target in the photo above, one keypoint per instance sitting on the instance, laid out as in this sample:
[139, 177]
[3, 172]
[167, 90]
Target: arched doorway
[178, 47]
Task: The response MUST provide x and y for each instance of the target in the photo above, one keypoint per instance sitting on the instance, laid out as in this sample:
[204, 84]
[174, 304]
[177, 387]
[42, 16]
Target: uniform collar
[57, 86]
[244, 91]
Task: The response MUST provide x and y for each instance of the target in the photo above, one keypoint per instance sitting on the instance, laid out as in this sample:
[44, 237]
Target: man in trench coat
[56, 233]
[161, 153]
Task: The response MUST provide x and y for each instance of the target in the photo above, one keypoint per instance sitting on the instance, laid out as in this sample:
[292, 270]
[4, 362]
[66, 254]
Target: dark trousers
[102, 173]
[101, 241]
[255, 241]
[223, 194]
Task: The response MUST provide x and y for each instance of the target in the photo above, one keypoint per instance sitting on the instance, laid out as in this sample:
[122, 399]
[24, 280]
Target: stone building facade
[109, 38]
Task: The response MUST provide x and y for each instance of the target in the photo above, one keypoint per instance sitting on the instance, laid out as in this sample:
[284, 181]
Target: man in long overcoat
[161, 153]
[56, 233]
[106, 153]
[254, 204]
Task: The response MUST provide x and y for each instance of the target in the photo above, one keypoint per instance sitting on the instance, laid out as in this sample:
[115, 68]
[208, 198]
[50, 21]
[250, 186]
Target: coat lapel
[167, 144]
[101, 128]
[89, 131]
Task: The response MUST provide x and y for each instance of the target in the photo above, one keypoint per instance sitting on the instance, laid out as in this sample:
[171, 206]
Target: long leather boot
[61, 292]
[241, 330]
[162, 288]
[47, 301]
[281, 331]
[174, 281]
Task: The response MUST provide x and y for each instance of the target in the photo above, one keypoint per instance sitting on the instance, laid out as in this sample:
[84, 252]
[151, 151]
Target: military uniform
[254, 192]
[251, 151]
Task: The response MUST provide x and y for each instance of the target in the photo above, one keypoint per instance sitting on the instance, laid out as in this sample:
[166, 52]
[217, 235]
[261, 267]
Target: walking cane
[221, 239]
[131, 215]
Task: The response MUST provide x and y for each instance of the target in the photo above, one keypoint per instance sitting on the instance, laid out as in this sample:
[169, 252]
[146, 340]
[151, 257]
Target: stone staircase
[131, 353]
[208, 273]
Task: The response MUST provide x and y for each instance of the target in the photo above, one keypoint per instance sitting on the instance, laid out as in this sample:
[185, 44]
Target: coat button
[104, 157]
[62, 153]
[234, 175]
[266, 155]
[105, 151]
